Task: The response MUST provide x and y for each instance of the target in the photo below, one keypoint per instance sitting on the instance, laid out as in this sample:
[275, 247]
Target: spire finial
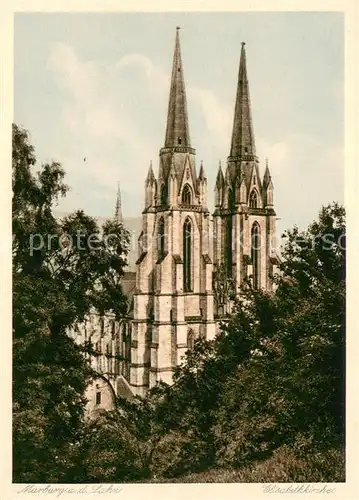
[118, 209]
[178, 28]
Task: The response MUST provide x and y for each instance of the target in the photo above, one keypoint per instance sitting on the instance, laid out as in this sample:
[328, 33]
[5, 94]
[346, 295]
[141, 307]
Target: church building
[191, 263]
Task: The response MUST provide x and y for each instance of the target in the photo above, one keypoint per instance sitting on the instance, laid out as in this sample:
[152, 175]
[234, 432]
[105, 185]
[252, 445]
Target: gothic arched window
[253, 199]
[187, 255]
[164, 195]
[113, 329]
[127, 355]
[228, 251]
[187, 195]
[190, 339]
[256, 254]
[102, 326]
[161, 238]
[229, 241]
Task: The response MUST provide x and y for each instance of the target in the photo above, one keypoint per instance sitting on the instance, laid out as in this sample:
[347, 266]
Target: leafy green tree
[291, 389]
[61, 269]
[129, 442]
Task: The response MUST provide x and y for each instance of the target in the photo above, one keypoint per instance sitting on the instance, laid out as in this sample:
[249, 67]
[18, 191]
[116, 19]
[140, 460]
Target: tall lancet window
[161, 238]
[187, 255]
[253, 199]
[229, 238]
[187, 195]
[256, 255]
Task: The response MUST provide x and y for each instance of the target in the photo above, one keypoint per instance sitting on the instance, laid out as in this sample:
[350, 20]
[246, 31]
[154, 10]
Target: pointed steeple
[267, 176]
[118, 209]
[177, 132]
[150, 179]
[243, 144]
[220, 177]
[201, 176]
[267, 187]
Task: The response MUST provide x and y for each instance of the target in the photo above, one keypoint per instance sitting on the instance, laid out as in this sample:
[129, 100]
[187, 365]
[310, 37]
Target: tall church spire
[118, 209]
[177, 132]
[243, 144]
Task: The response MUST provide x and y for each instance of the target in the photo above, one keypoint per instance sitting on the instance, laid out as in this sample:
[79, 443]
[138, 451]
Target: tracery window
[187, 195]
[253, 199]
[187, 255]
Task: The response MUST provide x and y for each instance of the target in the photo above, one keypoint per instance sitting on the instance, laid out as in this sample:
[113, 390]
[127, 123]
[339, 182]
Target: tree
[61, 269]
[291, 389]
[129, 442]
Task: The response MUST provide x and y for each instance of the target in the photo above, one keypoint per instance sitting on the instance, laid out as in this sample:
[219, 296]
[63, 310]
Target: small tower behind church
[118, 208]
[173, 303]
[244, 217]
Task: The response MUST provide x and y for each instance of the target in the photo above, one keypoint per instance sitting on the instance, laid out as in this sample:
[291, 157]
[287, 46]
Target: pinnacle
[220, 177]
[267, 176]
[150, 176]
[201, 176]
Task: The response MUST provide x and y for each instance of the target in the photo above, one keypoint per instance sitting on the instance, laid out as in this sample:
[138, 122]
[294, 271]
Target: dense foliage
[61, 269]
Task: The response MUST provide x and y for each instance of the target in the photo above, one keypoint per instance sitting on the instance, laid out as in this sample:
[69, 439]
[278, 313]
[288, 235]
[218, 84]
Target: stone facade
[190, 266]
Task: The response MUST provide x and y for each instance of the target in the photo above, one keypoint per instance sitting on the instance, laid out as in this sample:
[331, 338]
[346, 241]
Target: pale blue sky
[96, 86]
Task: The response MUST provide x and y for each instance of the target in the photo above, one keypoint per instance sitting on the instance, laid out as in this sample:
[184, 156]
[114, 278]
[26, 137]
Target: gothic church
[190, 264]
